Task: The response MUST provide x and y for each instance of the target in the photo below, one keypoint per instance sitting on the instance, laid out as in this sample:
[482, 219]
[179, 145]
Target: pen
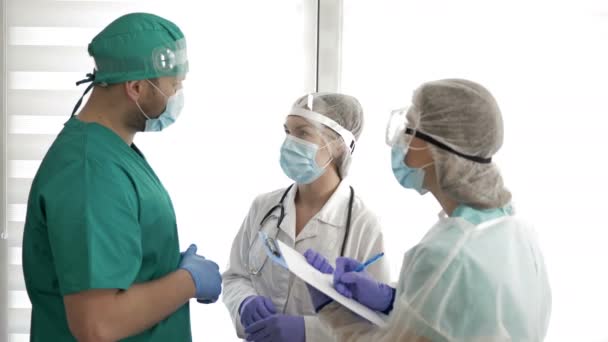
[370, 261]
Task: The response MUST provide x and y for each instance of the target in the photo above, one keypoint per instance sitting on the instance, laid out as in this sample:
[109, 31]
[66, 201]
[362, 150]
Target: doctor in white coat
[320, 211]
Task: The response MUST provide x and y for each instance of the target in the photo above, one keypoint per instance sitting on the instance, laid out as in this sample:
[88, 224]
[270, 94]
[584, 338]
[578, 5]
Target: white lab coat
[463, 282]
[324, 233]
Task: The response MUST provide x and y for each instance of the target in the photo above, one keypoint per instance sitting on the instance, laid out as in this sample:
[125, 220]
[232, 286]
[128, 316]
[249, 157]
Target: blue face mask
[408, 177]
[174, 106]
[298, 160]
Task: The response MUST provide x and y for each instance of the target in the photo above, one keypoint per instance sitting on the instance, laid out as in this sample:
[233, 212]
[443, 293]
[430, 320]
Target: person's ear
[134, 89]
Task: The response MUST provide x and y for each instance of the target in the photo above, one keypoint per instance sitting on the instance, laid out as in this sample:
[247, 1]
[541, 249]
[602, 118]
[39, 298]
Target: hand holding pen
[352, 282]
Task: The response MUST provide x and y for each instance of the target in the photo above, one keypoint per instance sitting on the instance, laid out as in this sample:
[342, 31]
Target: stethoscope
[281, 207]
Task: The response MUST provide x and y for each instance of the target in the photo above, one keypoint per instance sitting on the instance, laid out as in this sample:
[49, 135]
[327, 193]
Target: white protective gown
[476, 276]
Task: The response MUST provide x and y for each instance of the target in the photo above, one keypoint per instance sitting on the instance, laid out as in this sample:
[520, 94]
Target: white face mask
[172, 110]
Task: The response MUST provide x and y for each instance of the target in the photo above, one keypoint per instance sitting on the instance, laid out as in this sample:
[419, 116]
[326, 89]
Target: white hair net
[344, 110]
[464, 116]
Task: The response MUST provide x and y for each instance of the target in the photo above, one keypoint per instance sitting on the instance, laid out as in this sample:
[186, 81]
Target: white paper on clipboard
[298, 265]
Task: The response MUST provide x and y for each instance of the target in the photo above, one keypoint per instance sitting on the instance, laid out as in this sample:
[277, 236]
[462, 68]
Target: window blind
[45, 53]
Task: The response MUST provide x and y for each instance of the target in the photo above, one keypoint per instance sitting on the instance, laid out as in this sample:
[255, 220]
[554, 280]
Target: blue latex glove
[255, 308]
[361, 287]
[205, 274]
[318, 261]
[277, 328]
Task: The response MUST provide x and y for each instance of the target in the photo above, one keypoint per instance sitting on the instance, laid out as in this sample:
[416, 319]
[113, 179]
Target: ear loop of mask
[157, 88]
[142, 111]
[417, 149]
[160, 91]
[331, 157]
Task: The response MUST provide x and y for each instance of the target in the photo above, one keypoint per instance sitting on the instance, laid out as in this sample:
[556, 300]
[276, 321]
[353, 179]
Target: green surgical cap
[138, 46]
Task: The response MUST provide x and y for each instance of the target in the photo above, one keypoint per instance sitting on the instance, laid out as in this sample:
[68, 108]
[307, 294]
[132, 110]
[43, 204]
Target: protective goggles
[400, 132]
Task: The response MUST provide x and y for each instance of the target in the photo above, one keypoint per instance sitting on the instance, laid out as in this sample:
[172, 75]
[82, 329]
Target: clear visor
[323, 123]
[170, 58]
[308, 130]
[399, 131]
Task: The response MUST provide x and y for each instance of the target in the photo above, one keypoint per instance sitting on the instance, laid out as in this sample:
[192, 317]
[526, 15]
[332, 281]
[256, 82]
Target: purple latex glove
[316, 260]
[277, 328]
[256, 308]
[361, 287]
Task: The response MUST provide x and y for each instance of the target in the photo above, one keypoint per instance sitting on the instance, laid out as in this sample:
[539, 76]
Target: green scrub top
[98, 217]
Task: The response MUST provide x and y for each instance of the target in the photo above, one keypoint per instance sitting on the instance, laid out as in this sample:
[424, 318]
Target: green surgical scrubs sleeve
[91, 210]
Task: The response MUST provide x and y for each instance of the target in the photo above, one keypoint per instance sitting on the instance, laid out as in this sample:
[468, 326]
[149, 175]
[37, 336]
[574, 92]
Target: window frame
[3, 182]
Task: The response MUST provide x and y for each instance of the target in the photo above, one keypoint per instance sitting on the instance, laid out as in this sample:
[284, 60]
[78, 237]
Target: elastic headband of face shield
[346, 135]
[397, 132]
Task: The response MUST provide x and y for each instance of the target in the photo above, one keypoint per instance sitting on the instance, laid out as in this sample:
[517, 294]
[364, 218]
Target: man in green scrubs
[101, 257]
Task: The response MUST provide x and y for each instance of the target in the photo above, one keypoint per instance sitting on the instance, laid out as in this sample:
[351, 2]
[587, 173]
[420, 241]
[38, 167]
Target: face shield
[171, 59]
[136, 46]
[321, 122]
[325, 140]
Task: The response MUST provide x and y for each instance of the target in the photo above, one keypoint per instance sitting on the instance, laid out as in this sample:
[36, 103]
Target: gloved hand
[316, 260]
[255, 308]
[277, 328]
[205, 274]
[361, 287]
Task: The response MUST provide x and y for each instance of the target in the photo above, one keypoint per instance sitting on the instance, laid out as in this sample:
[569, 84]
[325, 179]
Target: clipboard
[296, 263]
